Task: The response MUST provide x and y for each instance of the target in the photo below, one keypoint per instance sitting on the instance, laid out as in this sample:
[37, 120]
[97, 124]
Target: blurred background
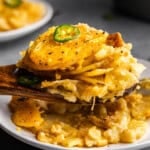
[130, 17]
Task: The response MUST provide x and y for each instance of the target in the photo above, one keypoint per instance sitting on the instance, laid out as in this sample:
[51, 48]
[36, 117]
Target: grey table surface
[97, 13]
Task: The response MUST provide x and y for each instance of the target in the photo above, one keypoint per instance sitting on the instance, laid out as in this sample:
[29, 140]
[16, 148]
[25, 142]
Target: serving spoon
[9, 86]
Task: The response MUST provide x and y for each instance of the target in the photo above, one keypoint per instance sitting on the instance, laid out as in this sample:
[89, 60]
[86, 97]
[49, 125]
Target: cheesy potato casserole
[93, 65]
[96, 74]
[75, 125]
[15, 14]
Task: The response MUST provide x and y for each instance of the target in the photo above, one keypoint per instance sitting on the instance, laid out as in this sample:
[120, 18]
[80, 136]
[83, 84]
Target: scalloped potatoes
[95, 65]
[75, 125]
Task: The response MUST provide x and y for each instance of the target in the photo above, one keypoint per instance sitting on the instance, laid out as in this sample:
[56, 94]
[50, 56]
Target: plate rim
[45, 146]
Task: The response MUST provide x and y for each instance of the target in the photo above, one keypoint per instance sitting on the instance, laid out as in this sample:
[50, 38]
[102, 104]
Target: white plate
[14, 34]
[7, 125]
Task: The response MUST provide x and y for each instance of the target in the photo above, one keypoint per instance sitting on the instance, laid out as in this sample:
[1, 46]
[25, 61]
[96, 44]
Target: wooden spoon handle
[9, 86]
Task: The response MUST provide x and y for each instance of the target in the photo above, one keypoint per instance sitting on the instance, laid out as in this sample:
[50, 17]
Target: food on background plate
[96, 73]
[19, 13]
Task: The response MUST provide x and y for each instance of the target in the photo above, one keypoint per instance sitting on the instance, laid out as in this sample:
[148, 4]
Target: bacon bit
[115, 40]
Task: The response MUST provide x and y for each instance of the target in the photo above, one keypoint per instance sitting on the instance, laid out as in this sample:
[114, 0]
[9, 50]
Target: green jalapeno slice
[66, 32]
[29, 81]
[12, 3]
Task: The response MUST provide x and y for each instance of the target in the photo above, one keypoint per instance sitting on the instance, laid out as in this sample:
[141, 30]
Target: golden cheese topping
[26, 113]
[47, 54]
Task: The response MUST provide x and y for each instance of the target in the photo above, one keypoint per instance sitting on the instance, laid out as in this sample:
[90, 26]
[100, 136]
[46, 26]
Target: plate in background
[20, 32]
